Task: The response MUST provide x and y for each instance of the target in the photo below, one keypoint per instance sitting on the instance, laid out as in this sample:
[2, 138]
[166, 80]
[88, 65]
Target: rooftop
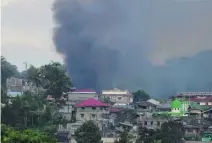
[114, 110]
[91, 102]
[84, 91]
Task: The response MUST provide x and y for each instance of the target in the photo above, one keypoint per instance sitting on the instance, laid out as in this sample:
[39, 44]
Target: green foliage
[10, 135]
[148, 135]
[140, 95]
[125, 137]
[88, 133]
[7, 70]
[172, 132]
[31, 111]
[51, 77]
[106, 100]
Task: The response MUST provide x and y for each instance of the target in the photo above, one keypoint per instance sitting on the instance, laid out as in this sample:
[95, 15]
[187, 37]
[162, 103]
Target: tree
[51, 77]
[172, 132]
[125, 137]
[147, 135]
[7, 70]
[9, 134]
[140, 95]
[31, 111]
[88, 133]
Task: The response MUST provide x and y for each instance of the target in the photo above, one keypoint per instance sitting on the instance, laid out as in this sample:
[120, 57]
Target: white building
[118, 96]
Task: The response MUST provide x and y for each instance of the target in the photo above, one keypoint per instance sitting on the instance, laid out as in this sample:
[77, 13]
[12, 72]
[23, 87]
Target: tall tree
[140, 95]
[172, 132]
[7, 70]
[147, 135]
[88, 133]
[51, 77]
[125, 137]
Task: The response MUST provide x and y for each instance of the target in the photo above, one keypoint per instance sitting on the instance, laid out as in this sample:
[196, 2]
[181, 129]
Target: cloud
[27, 31]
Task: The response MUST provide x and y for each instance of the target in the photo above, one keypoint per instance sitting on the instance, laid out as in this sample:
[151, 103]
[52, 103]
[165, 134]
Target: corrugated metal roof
[91, 102]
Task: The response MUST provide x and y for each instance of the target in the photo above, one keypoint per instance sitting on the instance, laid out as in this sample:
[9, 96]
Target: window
[94, 108]
[93, 115]
[101, 108]
[119, 98]
[82, 115]
[190, 130]
[158, 123]
[83, 108]
[151, 123]
[145, 123]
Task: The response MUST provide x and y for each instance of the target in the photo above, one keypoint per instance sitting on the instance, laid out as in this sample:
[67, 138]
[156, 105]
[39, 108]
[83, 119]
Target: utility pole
[71, 90]
[26, 68]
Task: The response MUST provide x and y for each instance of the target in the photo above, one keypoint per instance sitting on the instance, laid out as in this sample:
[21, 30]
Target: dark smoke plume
[157, 46]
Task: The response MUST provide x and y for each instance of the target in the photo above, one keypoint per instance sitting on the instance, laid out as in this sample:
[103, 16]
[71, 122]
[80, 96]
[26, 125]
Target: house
[15, 84]
[114, 112]
[66, 111]
[153, 101]
[80, 95]
[202, 100]
[91, 109]
[152, 122]
[192, 131]
[164, 107]
[118, 96]
[193, 94]
[69, 127]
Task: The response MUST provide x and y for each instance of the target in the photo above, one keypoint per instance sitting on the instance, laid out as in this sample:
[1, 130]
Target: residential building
[66, 111]
[164, 107]
[118, 96]
[202, 100]
[194, 94]
[15, 84]
[192, 131]
[151, 122]
[91, 109]
[80, 95]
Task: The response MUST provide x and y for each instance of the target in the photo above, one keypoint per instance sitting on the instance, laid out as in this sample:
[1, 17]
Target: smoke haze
[160, 46]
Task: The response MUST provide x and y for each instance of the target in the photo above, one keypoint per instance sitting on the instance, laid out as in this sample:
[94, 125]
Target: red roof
[91, 102]
[84, 90]
[207, 99]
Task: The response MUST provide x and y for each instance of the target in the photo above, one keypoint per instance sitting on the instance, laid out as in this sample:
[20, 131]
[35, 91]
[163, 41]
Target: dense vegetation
[30, 113]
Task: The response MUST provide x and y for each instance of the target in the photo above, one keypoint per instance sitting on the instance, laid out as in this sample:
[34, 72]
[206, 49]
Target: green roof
[176, 104]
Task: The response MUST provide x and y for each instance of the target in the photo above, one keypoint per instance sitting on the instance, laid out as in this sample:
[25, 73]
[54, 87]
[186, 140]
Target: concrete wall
[119, 98]
[89, 113]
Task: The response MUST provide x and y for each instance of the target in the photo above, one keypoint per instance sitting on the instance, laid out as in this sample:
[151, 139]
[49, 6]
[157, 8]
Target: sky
[27, 33]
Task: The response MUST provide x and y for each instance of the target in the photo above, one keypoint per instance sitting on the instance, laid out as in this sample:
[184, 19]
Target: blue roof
[164, 106]
[62, 136]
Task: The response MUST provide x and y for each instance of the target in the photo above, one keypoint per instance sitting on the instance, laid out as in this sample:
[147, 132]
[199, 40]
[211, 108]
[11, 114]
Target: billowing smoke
[159, 46]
